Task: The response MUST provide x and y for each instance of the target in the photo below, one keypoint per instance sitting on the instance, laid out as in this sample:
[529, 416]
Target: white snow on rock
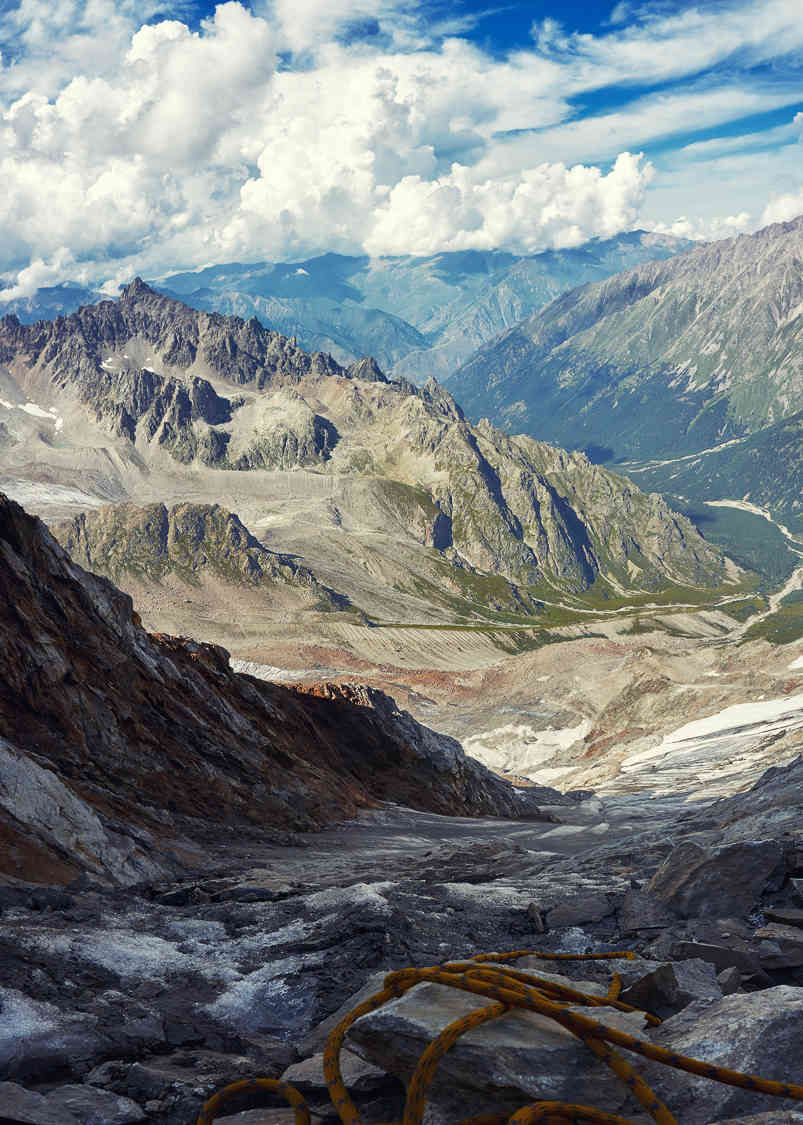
[522, 750]
[720, 754]
[36, 411]
[796, 663]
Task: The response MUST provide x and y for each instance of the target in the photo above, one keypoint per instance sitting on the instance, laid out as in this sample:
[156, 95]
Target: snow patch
[36, 411]
[796, 664]
[521, 749]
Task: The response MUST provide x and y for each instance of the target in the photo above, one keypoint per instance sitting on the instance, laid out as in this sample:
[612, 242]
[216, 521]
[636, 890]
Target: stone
[716, 882]
[721, 956]
[39, 1042]
[95, 1107]
[536, 916]
[641, 910]
[757, 1033]
[23, 1107]
[780, 947]
[261, 1117]
[730, 980]
[359, 1076]
[520, 1057]
[774, 1117]
[582, 908]
[315, 1040]
[786, 915]
[796, 886]
[668, 988]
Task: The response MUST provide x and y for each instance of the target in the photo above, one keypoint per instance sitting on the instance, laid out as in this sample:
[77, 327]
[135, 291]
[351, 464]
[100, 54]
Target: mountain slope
[667, 359]
[118, 748]
[190, 541]
[177, 392]
[417, 316]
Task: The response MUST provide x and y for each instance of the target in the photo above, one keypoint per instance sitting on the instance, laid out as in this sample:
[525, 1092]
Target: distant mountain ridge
[179, 392]
[667, 359]
[418, 316]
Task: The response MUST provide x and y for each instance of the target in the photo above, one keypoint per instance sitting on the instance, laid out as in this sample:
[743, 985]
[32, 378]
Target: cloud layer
[134, 142]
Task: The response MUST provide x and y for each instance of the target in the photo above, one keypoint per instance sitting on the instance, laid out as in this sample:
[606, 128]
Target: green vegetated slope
[749, 539]
[764, 468]
[666, 359]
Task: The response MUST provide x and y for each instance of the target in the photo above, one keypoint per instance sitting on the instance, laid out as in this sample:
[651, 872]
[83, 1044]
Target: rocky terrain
[122, 750]
[668, 359]
[170, 925]
[149, 400]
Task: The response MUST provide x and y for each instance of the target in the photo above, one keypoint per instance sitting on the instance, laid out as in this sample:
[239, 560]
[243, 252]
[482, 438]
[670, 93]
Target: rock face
[187, 539]
[507, 514]
[114, 744]
[669, 358]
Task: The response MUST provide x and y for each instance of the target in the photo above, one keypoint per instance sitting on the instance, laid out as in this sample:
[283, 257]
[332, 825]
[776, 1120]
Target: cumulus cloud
[133, 142]
[783, 208]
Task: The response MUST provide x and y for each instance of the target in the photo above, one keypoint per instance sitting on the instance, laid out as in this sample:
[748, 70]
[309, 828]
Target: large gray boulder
[520, 1057]
[717, 882]
[756, 1033]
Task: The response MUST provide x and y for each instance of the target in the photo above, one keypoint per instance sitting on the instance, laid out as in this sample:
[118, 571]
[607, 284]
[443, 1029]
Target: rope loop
[504, 988]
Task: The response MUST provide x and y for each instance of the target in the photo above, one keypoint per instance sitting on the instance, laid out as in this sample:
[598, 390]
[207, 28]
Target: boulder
[780, 947]
[729, 980]
[670, 987]
[721, 956]
[757, 1033]
[641, 910]
[38, 1041]
[95, 1107]
[359, 1076]
[23, 1107]
[580, 909]
[518, 1058]
[716, 882]
[786, 915]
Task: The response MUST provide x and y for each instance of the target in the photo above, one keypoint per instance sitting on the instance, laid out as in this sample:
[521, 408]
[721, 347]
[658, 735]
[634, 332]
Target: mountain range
[417, 316]
[392, 501]
[668, 361]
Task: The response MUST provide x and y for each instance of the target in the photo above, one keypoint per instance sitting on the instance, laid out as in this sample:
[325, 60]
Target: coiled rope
[488, 975]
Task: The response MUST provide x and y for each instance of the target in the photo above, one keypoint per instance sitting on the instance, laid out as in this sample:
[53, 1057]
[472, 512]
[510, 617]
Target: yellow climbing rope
[488, 975]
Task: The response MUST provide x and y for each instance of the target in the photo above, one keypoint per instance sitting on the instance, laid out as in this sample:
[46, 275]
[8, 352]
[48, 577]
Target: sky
[144, 136]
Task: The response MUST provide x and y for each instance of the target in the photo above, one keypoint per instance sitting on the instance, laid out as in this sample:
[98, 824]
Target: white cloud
[131, 143]
[783, 208]
[658, 46]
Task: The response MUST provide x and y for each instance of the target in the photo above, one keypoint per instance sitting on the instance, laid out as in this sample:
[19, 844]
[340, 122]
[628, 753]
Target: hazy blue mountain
[666, 359]
[49, 302]
[417, 316]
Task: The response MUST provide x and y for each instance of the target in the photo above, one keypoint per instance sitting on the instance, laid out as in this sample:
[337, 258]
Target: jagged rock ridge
[233, 395]
[189, 540]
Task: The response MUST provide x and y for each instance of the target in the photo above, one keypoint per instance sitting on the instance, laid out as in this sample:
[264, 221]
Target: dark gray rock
[729, 980]
[755, 1033]
[780, 947]
[515, 1059]
[716, 882]
[23, 1107]
[580, 909]
[641, 910]
[721, 956]
[668, 988]
[786, 915]
[92, 1106]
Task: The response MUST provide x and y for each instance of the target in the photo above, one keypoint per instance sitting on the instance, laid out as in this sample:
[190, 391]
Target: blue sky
[144, 136]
